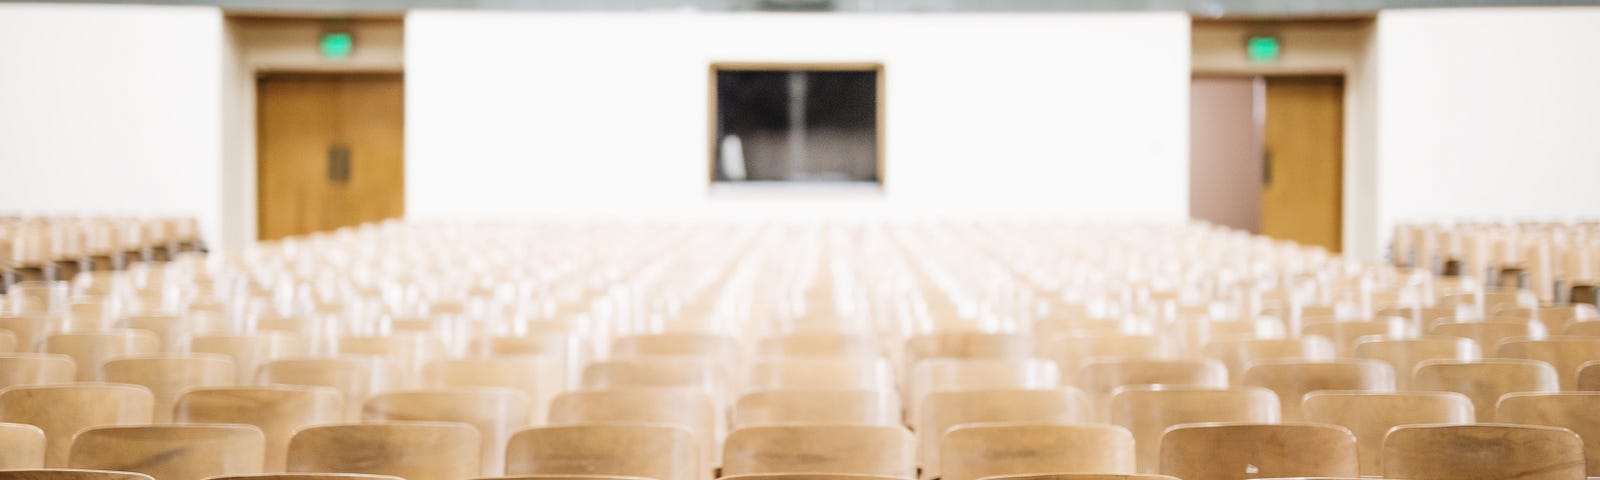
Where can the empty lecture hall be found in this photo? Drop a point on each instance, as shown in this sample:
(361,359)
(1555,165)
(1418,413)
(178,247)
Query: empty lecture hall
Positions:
(799,239)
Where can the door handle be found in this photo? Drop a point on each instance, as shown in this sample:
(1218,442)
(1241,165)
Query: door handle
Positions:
(339,163)
(1266,167)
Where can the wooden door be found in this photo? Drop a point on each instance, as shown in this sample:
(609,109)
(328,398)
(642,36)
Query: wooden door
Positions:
(329,151)
(1303,173)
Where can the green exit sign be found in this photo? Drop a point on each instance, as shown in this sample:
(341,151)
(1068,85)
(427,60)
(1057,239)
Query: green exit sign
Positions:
(336,45)
(1263,49)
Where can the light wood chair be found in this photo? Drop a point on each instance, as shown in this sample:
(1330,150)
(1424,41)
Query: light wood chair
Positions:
(807,476)
(277,410)
(1404,355)
(36,369)
(404,353)
(1292,379)
(1566,354)
(168,375)
(1555,318)
(1575,411)
(494,412)
(691,409)
(409,450)
(839,407)
(306,476)
(856,449)
(1238,353)
(1589,376)
(944,374)
(1345,334)
(23,446)
(718,348)
(356,378)
(1370,415)
(967,344)
(1589,328)
(249,352)
(90,349)
(1498,451)
(656,372)
(539,378)
(69,474)
(170,452)
(1080,476)
(943,410)
(1229,451)
(29,330)
(1099,377)
(1148,411)
(820,345)
(1484,381)
(1070,353)
(1487,333)
(976,450)
(64,410)
(8,341)
(174,331)
(862,373)
(655,451)
(574,476)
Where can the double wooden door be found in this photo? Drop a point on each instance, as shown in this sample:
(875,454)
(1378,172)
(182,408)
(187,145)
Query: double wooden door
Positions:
(329,151)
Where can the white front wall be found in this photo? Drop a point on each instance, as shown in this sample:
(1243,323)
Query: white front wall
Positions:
(531,115)
(111,110)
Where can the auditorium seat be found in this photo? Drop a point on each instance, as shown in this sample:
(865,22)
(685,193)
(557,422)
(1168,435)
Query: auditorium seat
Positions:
(1070,353)
(944,410)
(404,354)
(1404,355)
(657,372)
(36,369)
(1575,411)
(975,450)
(494,412)
(1566,354)
(170,452)
(814,406)
(409,450)
(1589,376)
(169,375)
(864,373)
(806,476)
(811,345)
(1487,334)
(1099,377)
(24,446)
(1229,451)
(29,330)
(1590,328)
(854,449)
(64,410)
(1292,379)
(356,378)
(607,449)
(306,476)
(717,348)
(966,344)
(277,410)
(69,474)
(1344,334)
(1440,452)
(945,374)
(539,378)
(1148,411)
(1370,416)
(1484,381)
(691,409)
(249,352)
(1554,318)
(1238,353)
(91,349)
(1081,476)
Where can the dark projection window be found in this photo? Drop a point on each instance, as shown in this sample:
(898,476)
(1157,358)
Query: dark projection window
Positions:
(796,124)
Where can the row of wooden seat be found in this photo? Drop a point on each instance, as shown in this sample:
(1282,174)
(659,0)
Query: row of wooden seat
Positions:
(1556,261)
(59,248)
(719,332)
(1201,451)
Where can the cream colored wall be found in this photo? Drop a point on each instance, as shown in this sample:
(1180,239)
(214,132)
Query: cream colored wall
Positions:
(1316,48)
(256,45)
